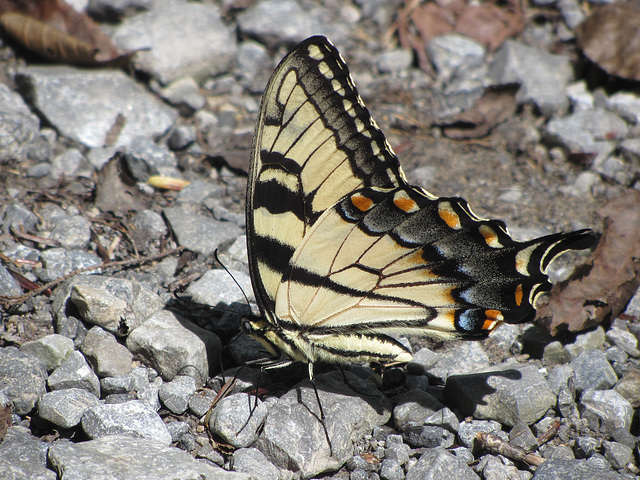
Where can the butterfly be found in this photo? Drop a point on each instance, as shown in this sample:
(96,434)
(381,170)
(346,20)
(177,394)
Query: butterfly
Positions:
(344,253)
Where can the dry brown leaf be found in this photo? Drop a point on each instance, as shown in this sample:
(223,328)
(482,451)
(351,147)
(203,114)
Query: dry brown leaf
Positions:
(610,38)
(115,190)
(420,22)
(613,273)
(5,421)
(489,24)
(55,31)
(494,107)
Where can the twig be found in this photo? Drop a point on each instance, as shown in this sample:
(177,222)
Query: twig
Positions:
(495,444)
(6,301)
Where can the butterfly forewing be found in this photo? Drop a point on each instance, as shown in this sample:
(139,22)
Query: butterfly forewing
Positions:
(315,142)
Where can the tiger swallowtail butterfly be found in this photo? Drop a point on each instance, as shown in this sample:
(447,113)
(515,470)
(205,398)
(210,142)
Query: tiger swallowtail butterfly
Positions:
(344,253)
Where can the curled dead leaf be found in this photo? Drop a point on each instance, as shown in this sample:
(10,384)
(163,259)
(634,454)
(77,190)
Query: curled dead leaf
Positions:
(612,277)
(610,38)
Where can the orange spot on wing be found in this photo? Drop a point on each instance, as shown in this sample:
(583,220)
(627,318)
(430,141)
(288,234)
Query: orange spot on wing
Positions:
(361,202)
(493,315)
(447,214)
(405,204)
(519,295)
(489,235)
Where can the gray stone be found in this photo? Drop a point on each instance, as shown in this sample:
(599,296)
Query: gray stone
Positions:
(566,403)
(444,418)
(50,350)
(630,149)
(391,470)
(396,60)
(452,52)
(253,63)
(555,352)
(8,285)
(587,131)
(148,227)
(468,431)
(200,402)
(624,340)
(263,21)
(497,468)
(625,104)
(109,302)
(629,387)
(422,361)
(134,419)
(593,371)
(91,101)
(24,457)
(201,45)
(439,463)
(18,126)
(175,394)
(198,233)
(293,436)
(75,372)
(508,393)
(617,454)
(586,446)
(543,76)
(17,215)
(58,262)
(184,94)
(22,379)
(68,164)
(72,231)
(217,287)
(571,13)
(108,357)
(253,462)
(126,458)
(64,408)
(558,377)
(591,340)
(464,454)
(144,158)
(117,385)
(573,470)
(198,190)
(598,461)
(413,407)
(177,430)
(607,407)
(558,452)
(464,358)
(398,452)
(428,436)
(181,137)
(522,436)
(581,98)
(236,420)
(174,346)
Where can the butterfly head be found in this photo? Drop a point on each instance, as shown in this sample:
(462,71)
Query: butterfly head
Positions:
(262,331)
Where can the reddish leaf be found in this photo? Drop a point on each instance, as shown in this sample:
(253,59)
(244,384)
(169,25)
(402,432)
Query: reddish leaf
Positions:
(494,107)
(610,38)
(55,31)
(613,273)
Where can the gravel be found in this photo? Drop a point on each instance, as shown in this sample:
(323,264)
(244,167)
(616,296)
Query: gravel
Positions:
(112,372)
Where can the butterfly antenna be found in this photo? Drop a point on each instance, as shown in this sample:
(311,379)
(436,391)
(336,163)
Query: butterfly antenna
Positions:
(322,416)
(215,255)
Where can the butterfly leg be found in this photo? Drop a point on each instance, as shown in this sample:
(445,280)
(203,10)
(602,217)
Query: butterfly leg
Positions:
(322,417)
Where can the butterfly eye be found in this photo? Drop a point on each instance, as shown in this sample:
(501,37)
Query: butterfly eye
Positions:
(245,326)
